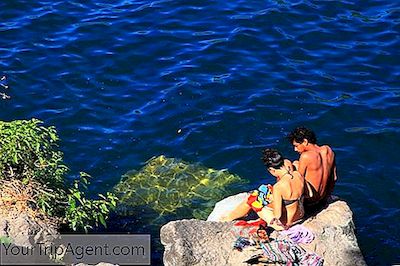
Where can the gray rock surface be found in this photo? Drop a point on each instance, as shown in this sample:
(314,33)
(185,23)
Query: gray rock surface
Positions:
(25,231)
(335,238)
(195,242)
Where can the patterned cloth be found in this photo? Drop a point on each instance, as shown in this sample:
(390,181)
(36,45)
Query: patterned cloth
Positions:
(289,253)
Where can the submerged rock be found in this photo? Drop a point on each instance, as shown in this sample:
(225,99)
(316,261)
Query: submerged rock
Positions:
(196,242)
(167,185)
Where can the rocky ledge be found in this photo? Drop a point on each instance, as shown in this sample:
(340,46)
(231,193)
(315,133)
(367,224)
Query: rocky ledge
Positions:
(25,230)
(196,242)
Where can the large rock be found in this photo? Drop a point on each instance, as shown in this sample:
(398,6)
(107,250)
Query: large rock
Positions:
(195,242)
(335,239)
(24,230)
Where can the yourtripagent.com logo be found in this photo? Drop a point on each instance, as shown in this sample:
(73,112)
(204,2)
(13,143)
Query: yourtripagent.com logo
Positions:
(73,249)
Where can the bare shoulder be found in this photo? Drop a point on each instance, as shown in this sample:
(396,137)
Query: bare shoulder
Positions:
(327,149)
(288,164)
(308,155)
(280,185)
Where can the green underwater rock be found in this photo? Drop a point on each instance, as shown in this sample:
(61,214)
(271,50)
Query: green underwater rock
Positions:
(168,184)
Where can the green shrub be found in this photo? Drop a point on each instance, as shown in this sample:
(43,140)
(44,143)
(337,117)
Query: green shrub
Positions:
(82,212)
(29,153)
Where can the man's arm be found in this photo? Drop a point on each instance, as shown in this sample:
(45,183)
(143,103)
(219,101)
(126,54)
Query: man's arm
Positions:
(302,169)
(308,191)
(334,170)
(303,163)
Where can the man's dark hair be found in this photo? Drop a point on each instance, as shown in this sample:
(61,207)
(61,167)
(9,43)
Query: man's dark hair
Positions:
(272,158)
(301,133)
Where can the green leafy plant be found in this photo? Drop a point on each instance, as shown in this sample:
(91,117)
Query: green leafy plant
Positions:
(29,153)
(29,156)
(84,213)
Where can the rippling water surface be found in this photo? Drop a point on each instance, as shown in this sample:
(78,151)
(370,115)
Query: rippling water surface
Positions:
(214,82)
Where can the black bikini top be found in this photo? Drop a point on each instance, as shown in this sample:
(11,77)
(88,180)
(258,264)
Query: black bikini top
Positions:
(288,202)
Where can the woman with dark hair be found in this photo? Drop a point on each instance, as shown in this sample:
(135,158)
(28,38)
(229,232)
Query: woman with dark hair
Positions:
(286,207)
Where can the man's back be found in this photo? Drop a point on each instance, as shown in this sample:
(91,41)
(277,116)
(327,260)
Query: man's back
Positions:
(329,175)
(317,165)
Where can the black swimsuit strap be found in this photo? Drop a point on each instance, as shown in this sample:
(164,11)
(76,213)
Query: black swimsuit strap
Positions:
(288,202)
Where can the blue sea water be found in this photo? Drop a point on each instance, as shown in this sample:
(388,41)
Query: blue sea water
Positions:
(215,82)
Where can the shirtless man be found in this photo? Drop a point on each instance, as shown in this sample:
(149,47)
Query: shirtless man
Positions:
(316,164)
